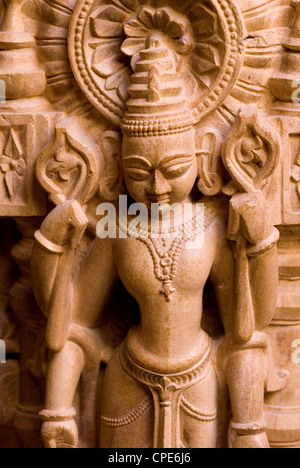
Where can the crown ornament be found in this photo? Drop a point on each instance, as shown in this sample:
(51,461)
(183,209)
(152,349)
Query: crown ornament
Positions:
(157,103)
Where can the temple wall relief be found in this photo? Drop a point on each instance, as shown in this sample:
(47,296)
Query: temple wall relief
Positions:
(149,224)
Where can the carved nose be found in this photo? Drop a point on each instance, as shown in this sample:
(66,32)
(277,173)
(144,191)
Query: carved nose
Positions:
(159,185)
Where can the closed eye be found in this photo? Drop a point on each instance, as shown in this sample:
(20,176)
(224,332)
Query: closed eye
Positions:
(177,170)
(137,173)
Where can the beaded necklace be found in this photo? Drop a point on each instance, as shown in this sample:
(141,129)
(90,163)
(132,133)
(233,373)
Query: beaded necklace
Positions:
(166,263)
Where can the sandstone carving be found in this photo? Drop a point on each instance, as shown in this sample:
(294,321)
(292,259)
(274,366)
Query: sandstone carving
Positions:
(150,213)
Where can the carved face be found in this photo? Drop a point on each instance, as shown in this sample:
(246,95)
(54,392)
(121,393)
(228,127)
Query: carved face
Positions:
(160,169)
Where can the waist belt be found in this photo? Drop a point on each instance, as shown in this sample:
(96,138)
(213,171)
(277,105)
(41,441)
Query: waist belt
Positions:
(166,390)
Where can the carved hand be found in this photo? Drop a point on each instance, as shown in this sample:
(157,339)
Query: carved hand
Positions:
(256,219)
(60,434)
(65,224)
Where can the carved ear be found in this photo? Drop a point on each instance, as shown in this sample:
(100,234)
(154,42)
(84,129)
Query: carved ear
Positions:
(208,146)
(112,181)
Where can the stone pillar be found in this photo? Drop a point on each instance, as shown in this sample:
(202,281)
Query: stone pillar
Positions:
(282,408)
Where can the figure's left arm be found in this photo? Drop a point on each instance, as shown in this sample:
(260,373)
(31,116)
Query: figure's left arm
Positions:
(257,239)
(245,282)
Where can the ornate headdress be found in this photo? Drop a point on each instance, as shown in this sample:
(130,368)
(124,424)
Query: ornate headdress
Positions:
(157,103)
(206,39)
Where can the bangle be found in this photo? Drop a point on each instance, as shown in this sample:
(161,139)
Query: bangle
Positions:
(48,245)
(248,428)
(265,245)
(58,416)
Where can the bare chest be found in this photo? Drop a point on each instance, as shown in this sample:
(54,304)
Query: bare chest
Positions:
(145,266)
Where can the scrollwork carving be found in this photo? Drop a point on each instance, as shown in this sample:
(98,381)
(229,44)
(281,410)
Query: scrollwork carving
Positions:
(251,151)
(68,168)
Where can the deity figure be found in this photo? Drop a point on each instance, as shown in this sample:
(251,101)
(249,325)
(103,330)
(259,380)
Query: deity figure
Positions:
(160,387)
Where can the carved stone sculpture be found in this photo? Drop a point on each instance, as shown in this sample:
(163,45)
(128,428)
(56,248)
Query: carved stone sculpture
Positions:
(152,301)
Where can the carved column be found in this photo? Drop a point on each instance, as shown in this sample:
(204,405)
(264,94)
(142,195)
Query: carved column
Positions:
(282,409)
(285,81)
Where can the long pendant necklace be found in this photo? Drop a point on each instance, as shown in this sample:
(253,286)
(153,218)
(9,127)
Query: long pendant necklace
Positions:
(165,264)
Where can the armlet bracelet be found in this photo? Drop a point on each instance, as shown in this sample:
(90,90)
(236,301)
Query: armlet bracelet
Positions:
(57,416)
(265,245)
(48,245)
(248,428)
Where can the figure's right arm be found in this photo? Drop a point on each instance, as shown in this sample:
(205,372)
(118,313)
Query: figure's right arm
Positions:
(60,291)
(67,292)
(54,249)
